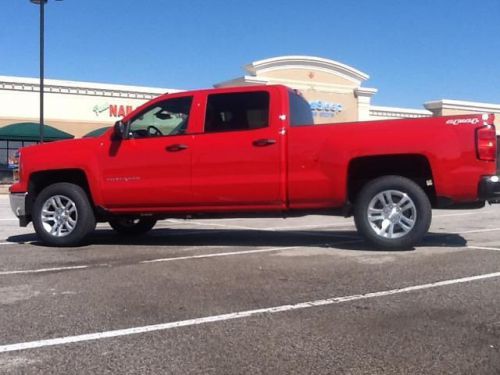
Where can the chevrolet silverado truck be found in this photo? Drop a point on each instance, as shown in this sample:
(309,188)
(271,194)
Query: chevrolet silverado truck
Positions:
(255,151)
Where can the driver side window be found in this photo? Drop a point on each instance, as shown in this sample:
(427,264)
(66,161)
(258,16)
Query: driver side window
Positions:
(169,117)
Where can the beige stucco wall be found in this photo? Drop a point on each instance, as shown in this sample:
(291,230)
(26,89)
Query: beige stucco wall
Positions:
(313,76)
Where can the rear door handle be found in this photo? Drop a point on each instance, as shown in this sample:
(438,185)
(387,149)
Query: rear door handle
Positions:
(264,142)
(176,147)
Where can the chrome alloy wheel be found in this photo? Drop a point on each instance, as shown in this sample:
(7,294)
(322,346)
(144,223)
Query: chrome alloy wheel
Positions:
(392,214)
(59,216)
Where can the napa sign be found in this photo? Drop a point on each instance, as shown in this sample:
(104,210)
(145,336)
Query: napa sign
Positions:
(112,110)
(320,108)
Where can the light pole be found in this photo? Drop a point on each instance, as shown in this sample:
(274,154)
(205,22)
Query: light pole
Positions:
(41,3)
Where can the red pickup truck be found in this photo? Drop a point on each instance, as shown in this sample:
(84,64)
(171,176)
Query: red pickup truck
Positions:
(254,150)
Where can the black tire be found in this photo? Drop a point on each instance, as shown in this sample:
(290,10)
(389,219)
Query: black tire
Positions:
(80,213)
(132,226)
(389,227)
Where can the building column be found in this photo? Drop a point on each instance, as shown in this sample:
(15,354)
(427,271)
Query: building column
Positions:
(364,96)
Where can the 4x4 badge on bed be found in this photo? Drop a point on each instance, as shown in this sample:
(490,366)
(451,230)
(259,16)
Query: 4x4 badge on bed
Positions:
(458,121)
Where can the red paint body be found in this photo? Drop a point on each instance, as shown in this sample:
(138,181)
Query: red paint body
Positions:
(306,168)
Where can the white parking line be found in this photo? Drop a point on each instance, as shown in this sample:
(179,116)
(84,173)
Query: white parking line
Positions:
(312,226)
(186,232)
(41,270)
(461,214)
(243,252)
(476,231)
(212,224)
(484,248)
(327,234)
(172,259)
(15,243)
(268,229)
(233,316)
(293,228)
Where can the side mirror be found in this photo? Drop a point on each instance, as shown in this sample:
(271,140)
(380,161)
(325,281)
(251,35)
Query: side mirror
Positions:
(120,130)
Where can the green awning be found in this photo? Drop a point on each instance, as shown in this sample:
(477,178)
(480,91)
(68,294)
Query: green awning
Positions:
(30,131)
(96,132)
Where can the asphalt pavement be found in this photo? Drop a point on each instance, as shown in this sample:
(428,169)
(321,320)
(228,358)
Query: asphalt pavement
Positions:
(253,296)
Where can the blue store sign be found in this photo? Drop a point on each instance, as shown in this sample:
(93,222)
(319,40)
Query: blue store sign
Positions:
(325,109)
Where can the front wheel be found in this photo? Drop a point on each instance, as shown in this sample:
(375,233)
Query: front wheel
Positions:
(63,215)
(392,213)
(132,226)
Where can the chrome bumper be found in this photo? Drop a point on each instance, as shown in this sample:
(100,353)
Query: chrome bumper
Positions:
(18,204)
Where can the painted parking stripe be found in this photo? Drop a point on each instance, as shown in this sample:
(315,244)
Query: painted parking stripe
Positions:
(462,214)
(172,259)
(42,270)
(236,315)
(484,248)
(476,231)
(16,243)
(269,229)
(231,253)
(229,226)
(201,256)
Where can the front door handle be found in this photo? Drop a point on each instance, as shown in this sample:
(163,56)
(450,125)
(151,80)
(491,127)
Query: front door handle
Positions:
(264,142)
(176,147)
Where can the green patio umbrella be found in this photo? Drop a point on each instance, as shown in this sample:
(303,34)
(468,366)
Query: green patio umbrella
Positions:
(96,132)
(30,131)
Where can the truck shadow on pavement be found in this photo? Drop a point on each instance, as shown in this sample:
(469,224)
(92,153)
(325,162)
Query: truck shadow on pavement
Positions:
(343,240)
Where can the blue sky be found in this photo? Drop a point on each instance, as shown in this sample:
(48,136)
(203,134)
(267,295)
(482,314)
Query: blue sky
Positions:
(413,50)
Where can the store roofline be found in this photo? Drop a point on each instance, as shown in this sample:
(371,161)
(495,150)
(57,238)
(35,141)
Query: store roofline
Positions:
(461,105)
(35,82)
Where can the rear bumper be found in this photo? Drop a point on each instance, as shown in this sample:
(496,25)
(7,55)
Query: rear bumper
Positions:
(489,189)
(18,206)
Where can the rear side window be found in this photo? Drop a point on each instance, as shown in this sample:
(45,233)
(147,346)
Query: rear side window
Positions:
(237,111)
(300,110)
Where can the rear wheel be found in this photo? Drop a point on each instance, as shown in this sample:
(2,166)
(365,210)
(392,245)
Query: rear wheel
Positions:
(63,215)
(392,212)
(132,226)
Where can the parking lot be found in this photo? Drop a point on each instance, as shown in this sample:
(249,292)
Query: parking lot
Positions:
(253,296)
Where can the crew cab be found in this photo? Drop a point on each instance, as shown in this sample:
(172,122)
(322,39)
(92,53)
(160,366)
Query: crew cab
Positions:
(255,150)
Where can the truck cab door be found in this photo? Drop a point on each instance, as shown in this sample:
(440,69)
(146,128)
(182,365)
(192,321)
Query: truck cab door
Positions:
(152,167)
(237,155)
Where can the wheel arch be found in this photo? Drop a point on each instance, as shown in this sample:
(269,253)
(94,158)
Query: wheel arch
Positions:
(415,167)
(40,180)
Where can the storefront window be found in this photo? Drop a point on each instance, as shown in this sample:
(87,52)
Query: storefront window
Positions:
(8,158)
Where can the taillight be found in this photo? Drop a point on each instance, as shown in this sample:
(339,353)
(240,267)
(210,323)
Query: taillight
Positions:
(486,143)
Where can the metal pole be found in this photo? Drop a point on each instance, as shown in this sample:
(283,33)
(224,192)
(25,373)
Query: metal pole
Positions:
(42,29)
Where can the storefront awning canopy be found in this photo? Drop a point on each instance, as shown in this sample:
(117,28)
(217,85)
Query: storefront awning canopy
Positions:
(30,131)
(96,132)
